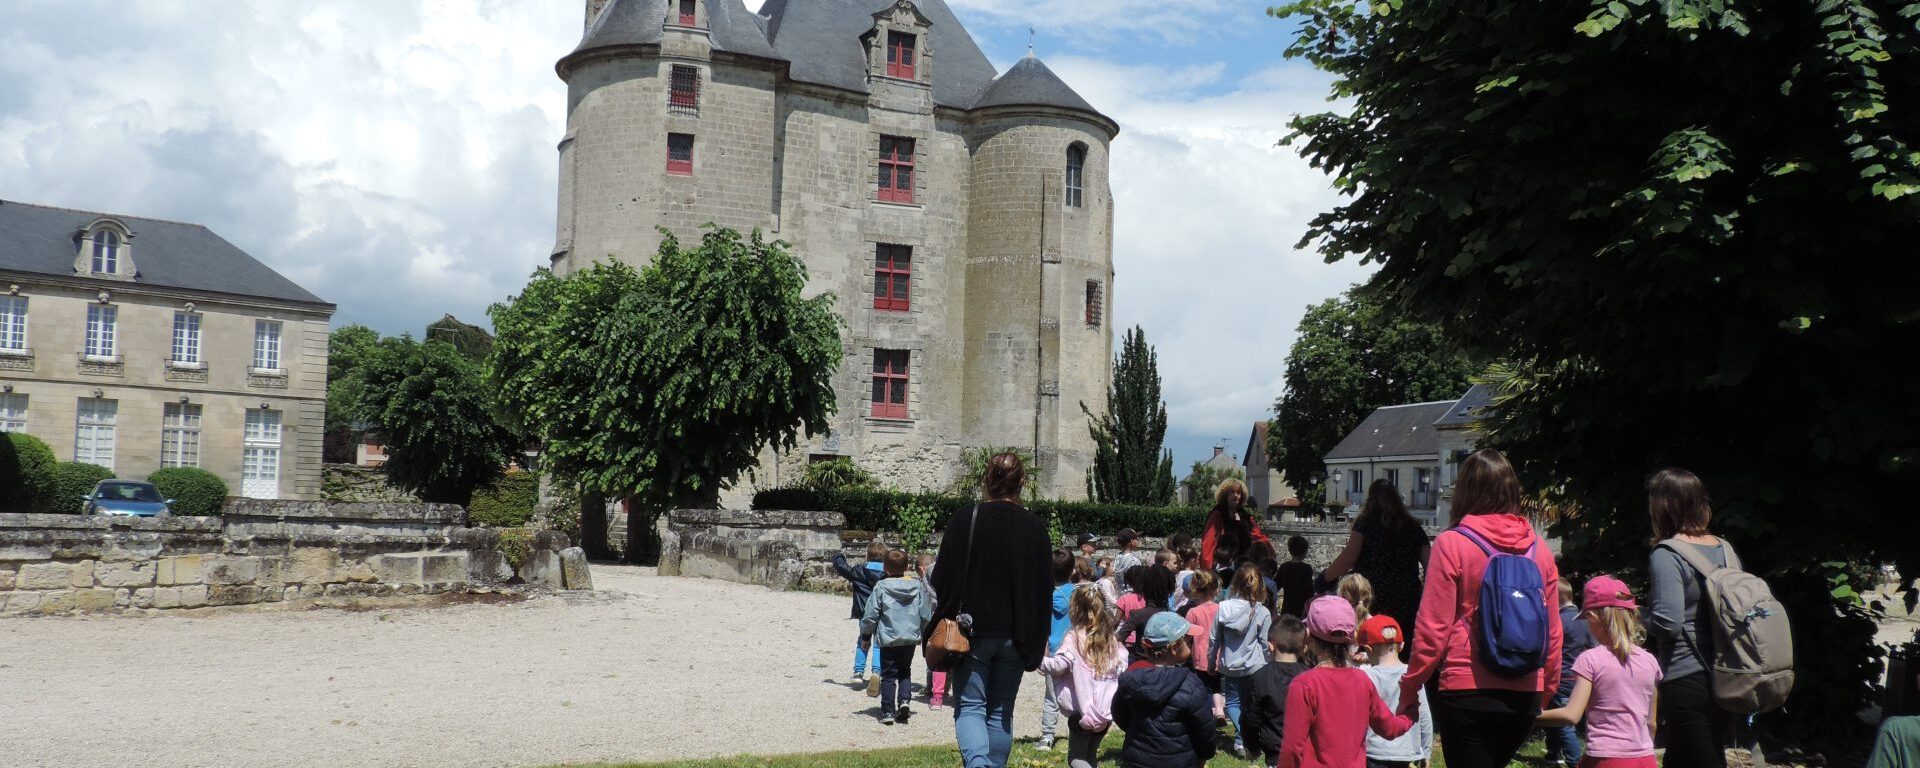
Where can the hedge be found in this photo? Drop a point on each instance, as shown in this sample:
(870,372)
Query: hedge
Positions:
(72,480)
(26,473)
(195,492)
(505,503)
(874,511)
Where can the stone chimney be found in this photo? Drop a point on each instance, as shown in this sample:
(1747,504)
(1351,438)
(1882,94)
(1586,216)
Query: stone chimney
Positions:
(594,7)
(1219,448)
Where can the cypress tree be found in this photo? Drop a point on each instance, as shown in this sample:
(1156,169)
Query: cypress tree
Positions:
(1130,466)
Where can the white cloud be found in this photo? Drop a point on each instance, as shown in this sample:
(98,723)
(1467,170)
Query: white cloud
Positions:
(1108,19)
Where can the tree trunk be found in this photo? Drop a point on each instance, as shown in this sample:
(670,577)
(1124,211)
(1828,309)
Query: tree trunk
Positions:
(593,526)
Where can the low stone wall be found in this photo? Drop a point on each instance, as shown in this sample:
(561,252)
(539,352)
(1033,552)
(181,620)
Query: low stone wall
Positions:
(259,552)
(774,548)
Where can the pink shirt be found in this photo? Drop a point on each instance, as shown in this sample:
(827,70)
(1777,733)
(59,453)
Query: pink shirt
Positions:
(1329,711)
(1622,699)
(1130,602)
(1200,618)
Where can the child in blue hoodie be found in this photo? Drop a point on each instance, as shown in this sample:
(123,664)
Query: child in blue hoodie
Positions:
(861,580)
(895,621)
(1063,587)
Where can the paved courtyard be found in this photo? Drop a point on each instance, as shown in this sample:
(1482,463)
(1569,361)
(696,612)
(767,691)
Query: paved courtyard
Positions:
(648,668)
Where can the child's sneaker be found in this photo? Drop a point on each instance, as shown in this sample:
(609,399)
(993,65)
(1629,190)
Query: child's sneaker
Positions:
(859,678)
(886,718)
(873,687)
(936,702)
(1045,744)
(903,714)
(1239,748)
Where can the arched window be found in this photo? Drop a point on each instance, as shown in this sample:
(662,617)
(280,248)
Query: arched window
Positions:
(1076,165)
(106,252)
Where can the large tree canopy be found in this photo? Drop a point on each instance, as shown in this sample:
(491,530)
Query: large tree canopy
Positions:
(1689,228)
(1130,466)
(434,409)
(347,348)
(663,384)
(1352,355)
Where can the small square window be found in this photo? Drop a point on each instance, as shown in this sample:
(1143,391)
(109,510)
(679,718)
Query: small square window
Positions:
(683,87)
(680,154)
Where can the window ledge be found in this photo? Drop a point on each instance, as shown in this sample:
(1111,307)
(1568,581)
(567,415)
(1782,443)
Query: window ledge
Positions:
(101,359)
(28,352)
(894,204)
(889,420)
(180,366)
(271,373)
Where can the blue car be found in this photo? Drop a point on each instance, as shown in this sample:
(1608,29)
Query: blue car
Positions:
(127,497)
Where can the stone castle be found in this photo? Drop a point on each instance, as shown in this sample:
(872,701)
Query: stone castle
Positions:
(961,216)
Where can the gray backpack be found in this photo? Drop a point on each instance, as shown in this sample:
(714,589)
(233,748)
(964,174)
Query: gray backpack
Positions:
(1753,643)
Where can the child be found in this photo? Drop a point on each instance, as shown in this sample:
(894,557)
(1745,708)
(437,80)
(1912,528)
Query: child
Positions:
(1153,586)
(895,620)
(1129,541)
(1331,707)
(1130,601)
(936,680)
(1160,704)
(1296,579)
(1170,560)
(1382,638)
(1265,708)
(1563,742)
(1200,611)
(1355,589)
(862,580)
(1107,583)
(1086,670)
(1239,644)
(1089,549)
(1189,560)
(1615,682)
(1062,595)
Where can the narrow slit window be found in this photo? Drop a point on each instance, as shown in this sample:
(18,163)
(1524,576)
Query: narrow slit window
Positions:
(1076,170)
(896,169)
(893,277)
(680,154)
(890,383)
(900,57)
(1095,304)
(684,86)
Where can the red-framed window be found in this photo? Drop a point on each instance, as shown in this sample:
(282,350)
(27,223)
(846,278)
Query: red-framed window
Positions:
(890,383)
(900,55)
(896,169)
(680,153)
(686,13)
(1095,304)
(683,86)
(892,277)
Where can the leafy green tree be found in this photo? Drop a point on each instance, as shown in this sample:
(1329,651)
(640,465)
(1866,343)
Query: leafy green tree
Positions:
(1352,355)
(663,384)
(435,410)
(1687,229)
(347,348)
(973,471)
(1130,464)
(1204,479)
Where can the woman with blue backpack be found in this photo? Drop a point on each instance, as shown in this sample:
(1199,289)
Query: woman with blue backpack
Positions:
(1488,621)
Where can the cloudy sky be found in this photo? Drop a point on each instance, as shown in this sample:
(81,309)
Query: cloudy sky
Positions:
(396,157)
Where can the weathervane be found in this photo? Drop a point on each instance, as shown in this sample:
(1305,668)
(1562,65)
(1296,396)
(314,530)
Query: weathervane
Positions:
(1030,34)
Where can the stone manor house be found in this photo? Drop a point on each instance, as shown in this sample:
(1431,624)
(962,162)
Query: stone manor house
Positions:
(961,216)
(137,344)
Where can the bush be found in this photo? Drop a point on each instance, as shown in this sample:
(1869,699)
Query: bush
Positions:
(195,492)
(880,511)
(26,473)
(835,474)
(72,480)
(507,502)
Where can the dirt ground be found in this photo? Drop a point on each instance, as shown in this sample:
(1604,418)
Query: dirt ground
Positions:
(647,668)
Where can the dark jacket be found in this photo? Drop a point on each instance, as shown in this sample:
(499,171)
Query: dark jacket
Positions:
(1263,707)
(861,578)
(1579,639)
(1008,586)
(1168,716)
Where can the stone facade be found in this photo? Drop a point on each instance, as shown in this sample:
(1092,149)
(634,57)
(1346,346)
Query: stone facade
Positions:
(46,386)
(1002,346)
(260,552)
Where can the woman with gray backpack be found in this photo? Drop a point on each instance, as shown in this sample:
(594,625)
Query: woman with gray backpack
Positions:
(1723,642)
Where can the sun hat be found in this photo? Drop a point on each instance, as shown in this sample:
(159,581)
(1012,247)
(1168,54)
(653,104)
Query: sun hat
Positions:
(1330,618)
(1607,592)
(1164,629)
(1380,630)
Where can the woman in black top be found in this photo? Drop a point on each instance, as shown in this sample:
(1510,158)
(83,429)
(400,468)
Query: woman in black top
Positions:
(994,561)
(1388,547)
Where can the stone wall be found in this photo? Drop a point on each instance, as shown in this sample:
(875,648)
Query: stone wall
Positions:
(259,552)
(773,548)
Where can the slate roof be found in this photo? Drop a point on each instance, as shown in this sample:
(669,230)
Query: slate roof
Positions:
(1257,443)
(40,239)
(820,40)
(1395,430)
(1468,408)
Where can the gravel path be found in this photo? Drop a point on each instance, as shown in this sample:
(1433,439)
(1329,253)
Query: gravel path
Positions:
(648,668)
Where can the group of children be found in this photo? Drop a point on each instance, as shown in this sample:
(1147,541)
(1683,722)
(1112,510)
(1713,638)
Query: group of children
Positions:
(1170,652)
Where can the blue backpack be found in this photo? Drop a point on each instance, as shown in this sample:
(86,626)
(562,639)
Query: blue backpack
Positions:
(1512,631)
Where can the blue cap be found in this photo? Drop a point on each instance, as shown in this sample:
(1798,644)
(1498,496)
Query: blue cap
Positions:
(1164,629)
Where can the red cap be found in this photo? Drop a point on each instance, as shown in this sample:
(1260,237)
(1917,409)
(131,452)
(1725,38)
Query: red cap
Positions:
(1607,592)
(1380,630)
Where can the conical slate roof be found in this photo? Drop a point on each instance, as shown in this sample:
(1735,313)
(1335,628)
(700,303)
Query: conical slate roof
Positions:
(730,26)
(1031,83)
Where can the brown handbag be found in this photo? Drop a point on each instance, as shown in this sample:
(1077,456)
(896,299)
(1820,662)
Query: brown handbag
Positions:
(947,643)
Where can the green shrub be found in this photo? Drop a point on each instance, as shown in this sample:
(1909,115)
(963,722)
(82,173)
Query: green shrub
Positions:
(882,511)
(836,474)
(516,544)
(507,502)
(72,480)
(195,492)
(26,473)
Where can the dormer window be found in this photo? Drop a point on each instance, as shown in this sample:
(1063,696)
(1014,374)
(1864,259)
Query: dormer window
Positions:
(686,13)
(900,55)
(106,252)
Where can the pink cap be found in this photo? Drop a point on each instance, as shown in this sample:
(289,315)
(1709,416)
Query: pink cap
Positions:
(1331,618)
(1607,592)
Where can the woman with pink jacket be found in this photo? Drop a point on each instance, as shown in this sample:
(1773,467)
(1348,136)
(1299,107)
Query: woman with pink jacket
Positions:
(1484,715)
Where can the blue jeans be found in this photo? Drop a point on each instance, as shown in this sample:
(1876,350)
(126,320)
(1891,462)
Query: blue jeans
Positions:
(1563,743)
(983,718)
(1235,688)
(861,657)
